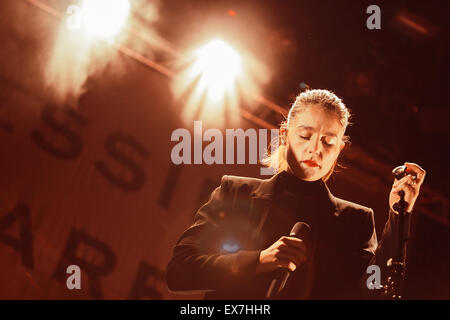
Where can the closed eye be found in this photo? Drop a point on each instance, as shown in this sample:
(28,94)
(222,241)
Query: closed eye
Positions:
(329,141)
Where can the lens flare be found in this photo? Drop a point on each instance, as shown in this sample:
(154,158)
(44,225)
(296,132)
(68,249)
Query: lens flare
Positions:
(212,81)
(218,65)
(104,18)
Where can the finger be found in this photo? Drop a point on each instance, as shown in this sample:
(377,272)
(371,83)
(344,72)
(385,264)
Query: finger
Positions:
(293,241)
(293,250)
(398,182)
(287,264)
(406,181)
(413,167)
(291,266)
(406,187)
(410,180)
(295,258)
(286,261)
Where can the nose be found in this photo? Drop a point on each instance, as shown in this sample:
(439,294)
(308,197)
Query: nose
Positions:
(314,147)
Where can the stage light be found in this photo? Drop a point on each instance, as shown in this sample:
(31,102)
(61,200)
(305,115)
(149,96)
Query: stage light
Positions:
(214,79)
(104,18)
(77,52)
(218,66)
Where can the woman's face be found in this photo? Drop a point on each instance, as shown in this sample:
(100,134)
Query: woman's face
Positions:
(313,143)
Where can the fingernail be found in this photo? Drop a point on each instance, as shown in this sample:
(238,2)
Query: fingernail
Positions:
(292,266)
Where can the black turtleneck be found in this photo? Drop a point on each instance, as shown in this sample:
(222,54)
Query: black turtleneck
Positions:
(289,183)
(296,200)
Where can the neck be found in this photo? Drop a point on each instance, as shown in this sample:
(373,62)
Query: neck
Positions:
(295,185)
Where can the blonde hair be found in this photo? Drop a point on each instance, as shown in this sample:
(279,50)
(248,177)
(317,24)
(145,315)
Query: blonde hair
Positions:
(317,97)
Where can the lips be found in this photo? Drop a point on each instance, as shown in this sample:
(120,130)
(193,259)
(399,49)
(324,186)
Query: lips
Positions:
(310,163)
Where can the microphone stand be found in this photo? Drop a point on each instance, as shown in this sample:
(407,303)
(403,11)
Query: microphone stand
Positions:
(396,265)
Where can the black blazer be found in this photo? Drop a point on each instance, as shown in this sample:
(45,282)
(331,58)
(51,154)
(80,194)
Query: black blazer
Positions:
(218,253)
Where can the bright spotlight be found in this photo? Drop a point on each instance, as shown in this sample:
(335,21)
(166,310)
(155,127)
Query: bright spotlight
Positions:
(214,80)
(104,18)
(219,66)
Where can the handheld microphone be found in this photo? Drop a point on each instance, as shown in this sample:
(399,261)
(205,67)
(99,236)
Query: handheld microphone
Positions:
(301,231)
(400,171)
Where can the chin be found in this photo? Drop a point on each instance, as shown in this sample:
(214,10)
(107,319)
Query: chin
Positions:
(309,176)
(312,179)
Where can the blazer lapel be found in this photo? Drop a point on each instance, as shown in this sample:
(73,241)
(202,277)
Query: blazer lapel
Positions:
(261,203)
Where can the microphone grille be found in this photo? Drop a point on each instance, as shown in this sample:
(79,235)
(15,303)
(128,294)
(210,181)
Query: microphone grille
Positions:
(302,231)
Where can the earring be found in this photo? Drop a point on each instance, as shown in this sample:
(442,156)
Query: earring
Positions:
(283,128)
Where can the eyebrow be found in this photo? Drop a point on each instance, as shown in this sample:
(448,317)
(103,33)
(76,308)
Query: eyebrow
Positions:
(312,128)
